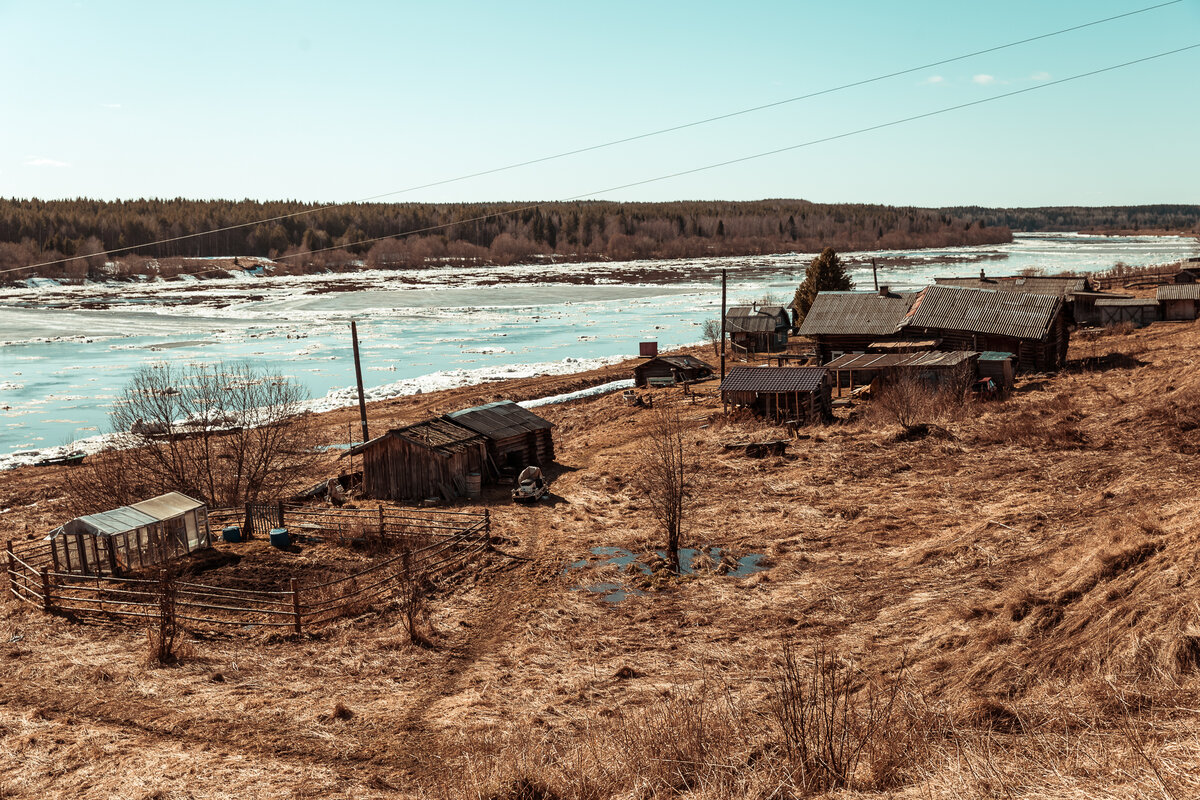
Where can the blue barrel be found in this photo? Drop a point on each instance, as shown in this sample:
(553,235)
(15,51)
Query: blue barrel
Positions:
(231,533)
(279,538)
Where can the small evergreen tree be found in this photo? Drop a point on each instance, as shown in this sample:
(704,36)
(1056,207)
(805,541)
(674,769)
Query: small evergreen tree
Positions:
(825,274)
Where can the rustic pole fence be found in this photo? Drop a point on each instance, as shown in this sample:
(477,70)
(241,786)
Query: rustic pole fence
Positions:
(297,619)
(47,599)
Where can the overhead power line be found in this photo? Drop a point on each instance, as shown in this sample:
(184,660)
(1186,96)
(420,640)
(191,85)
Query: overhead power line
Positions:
(776,151)
(625,140)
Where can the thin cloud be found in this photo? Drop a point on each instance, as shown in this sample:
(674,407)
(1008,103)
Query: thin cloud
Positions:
(934,80)
(39,161)
(984,80)
(1040,76)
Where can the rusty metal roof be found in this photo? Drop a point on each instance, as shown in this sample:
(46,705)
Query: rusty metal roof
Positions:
(934,360)
(1061,285)
(856,313)
(772,380)
(988,311)
(500,420)
(1179,291)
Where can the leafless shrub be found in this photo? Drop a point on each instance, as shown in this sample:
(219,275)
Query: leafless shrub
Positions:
(164,627)
(411,596)
(667,476)
(226,434)
(711,331)
(828,717)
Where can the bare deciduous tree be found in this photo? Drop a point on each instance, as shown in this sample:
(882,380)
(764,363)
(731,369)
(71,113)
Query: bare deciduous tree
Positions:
(711,331)
(667,476)
(226,434)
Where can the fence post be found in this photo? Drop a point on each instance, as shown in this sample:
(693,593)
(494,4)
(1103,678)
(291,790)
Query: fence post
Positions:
(12,568)
(382,529)
(487,520)
(280,507)
(47,600)
(295,604)
(248,528)
(54,554)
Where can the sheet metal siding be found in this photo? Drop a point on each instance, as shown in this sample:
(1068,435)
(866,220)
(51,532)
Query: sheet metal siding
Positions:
(1012,314)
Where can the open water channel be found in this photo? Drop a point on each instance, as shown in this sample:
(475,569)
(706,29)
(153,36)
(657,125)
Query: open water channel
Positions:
(66,352)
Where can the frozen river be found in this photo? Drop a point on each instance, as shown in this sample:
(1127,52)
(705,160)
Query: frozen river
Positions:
(66,352)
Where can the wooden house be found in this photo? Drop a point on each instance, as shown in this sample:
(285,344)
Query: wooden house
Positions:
(670,370)
(758,329)
(850,322)
(1137,311)
(516,437)
(131,538)
(429,459)
(800,394)
(1078,294)
(1179,301)
(934,368)
(1033,327)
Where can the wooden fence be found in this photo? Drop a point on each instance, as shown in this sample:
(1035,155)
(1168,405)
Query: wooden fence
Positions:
(431,544)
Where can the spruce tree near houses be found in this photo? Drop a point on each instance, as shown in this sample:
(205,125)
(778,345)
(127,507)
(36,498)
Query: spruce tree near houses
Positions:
(825,274)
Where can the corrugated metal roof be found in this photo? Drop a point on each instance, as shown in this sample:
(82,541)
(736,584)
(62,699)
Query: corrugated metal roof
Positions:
(856,313)
(995,355)
(989,311)
(1179,291)
(740,311)
(1126,301)
(500,420)
(440,435)
(906,344)
(896,360)
(773,379)
(1062,286)
(683,362)
(757,324)
(168,505)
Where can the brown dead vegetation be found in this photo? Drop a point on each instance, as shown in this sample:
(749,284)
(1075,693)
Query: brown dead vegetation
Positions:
(1023,595)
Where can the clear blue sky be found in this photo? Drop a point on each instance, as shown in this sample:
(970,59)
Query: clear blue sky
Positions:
(342,101)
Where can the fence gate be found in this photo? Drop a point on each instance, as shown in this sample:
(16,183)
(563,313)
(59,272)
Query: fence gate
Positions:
(262,517)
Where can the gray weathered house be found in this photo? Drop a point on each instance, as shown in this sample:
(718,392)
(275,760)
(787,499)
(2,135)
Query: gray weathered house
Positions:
(1179,301)
(850,322)
(670,370)
(758,329)
(516,437)
(429,459)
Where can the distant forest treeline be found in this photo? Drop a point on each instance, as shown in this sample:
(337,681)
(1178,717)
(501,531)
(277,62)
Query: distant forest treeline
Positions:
(309,237)
(1185,219)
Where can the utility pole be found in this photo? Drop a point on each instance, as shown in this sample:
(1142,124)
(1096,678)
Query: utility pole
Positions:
(362,403)
(724,275)
(875,275)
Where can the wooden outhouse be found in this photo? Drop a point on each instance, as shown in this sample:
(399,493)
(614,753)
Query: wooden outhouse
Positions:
(515,437)
(783,394)
(429,459)
(670,370)
(1179,301)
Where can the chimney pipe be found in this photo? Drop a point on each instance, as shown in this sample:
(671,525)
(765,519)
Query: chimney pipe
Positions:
(982,277)
(884,290)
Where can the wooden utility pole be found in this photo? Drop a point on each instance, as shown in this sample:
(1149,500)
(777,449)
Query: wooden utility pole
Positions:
(724,275)
(875,275)
(362,403)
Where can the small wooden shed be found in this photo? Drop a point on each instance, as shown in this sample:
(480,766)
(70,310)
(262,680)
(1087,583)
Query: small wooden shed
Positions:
(135,537)
(1179,301)
(1139,311)
(802,394)
(515,437)
(934,368)
(670,370)
(429,459)
(758,329)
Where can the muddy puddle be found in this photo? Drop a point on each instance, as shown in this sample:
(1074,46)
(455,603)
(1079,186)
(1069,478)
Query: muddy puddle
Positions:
(692,561)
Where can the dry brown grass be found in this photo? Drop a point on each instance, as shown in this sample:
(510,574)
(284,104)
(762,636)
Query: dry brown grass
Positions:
(1037,574)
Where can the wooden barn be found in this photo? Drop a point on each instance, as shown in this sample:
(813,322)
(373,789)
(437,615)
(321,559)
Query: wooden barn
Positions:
(756,329)
(850,322)
(670,370)
(429,459)
(516,437)
(935,368)
(1033,327)
(1179,301)
(131,538)
(1137,311)
(800,394)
